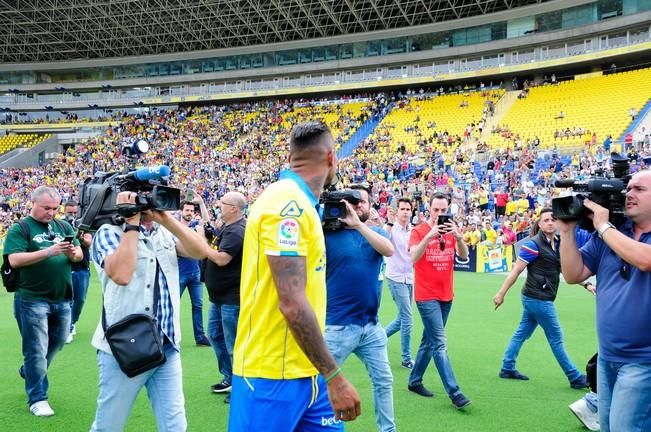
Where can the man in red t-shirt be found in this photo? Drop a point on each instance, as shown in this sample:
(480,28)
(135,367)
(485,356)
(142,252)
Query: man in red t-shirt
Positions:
(432,248)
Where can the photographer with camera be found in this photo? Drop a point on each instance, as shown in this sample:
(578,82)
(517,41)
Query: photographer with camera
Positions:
(80,270)
(432,247)
(620,257)
(354,257)
(137,266)
(539,255)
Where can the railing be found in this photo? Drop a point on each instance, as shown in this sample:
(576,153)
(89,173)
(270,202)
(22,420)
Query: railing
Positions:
(410,74)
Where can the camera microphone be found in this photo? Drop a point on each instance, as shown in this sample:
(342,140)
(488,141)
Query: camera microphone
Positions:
(149,173)
(568,183)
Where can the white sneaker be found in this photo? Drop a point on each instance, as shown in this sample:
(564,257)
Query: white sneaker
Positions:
(585,415)
(74,330)
(69,338)
(41,409)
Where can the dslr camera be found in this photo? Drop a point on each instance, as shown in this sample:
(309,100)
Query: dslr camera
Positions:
(97,197)
(333,208)
(609,192)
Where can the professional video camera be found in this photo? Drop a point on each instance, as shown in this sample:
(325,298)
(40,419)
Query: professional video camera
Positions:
(608,192)
(333,208)
(97,198)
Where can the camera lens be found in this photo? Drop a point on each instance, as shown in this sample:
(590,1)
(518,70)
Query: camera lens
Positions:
(334,212)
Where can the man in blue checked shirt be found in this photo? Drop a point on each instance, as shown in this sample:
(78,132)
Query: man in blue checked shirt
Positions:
(133,259)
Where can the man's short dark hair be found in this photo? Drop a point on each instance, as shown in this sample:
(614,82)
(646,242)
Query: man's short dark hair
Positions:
(440,195)
(404,200)
(360,186)
(187,203)
(306,135)
(70,203)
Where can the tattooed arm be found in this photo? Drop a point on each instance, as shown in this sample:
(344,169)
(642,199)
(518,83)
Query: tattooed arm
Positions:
(290,278)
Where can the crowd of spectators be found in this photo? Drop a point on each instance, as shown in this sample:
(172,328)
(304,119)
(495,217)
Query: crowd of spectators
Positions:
(215,149)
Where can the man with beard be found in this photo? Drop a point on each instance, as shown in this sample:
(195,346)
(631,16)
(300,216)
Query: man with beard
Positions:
(190,273)
(283,373)
(354,256)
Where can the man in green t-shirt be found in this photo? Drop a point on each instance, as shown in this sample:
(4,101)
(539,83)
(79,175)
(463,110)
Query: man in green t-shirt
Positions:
(42,300)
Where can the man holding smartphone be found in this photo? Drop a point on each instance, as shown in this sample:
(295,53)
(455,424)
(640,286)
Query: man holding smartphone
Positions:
(432,247)
(42,300)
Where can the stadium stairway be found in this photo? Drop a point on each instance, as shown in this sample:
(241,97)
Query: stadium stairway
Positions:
(360,135)
(501,108)
(638,122)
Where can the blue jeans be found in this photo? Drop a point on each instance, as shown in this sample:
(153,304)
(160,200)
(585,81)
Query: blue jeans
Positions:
(44,328)
(222,328)
(543,313)
(80,280)
(369,343)
(194,285)
(118,392)
(624,396)
(403,295)
(434,345)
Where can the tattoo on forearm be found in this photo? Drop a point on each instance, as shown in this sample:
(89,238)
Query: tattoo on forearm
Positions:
(289,275)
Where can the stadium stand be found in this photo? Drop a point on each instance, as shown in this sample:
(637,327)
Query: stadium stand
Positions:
(567,115)
(11,142)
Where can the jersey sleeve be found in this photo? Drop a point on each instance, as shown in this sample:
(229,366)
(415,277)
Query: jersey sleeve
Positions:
(528,252)
(286,233)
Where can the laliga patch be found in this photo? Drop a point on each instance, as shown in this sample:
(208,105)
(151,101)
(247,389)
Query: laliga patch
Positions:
(291,210)
(288,233)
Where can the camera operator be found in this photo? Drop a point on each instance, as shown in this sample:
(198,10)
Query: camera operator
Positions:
(354,257)
(621,259)
(132,260)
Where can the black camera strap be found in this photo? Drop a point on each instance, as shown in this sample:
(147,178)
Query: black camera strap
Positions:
(156,297)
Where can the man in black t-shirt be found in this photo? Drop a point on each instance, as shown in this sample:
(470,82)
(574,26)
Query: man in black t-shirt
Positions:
(223,269)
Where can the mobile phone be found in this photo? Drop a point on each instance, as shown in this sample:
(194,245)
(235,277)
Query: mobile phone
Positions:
(68,238)
(443,219)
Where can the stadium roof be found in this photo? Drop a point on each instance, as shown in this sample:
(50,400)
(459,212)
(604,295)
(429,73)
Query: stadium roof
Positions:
(60,30)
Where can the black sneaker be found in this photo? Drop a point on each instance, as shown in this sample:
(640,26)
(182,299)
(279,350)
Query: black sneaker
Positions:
(407,364)
(579,383)
(513,374)
(221,387)
(420,389)
(203,342)
(460,401)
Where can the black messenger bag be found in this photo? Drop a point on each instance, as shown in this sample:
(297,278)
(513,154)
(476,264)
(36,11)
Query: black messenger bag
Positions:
(134,340)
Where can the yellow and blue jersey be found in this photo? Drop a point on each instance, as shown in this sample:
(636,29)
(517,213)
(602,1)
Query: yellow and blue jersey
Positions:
(283,221)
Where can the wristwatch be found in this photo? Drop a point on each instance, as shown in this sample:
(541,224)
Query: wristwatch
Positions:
(603,228)
(129,227)
(390,224)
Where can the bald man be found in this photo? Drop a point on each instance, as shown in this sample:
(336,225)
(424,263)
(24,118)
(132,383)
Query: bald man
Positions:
(222,278)
(621,259)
